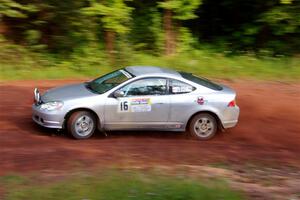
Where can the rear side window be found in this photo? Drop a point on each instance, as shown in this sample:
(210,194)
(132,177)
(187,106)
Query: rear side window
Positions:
(179,87)
(201,81)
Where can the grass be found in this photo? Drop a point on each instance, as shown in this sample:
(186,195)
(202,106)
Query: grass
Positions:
(18,63)
(12,179)
(122,185)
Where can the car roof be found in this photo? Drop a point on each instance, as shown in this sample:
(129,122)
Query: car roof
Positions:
(151,70)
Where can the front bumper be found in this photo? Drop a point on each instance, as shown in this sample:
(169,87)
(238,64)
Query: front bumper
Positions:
(49,119)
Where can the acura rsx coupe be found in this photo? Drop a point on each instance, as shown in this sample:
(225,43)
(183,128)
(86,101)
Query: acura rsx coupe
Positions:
(139,98)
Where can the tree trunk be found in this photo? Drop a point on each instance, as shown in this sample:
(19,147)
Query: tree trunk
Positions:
(109,44)
(170,44)
(3,28)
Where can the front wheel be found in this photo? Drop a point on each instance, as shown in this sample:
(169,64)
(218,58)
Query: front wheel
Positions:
(203,126)
(81,125)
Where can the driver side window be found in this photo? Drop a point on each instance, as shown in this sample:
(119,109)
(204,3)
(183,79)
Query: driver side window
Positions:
(148,86)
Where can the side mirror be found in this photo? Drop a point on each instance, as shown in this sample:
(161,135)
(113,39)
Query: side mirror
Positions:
(119,93)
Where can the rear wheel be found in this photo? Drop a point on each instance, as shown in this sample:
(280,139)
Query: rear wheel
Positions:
(81,124)
(203,126)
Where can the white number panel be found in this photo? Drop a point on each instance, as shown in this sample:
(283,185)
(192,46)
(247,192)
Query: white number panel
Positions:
(123,106)
(135,105)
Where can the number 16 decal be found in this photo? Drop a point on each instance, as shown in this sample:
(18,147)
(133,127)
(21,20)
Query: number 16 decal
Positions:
(124,107)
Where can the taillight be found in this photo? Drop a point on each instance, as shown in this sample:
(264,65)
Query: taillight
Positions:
(232,103)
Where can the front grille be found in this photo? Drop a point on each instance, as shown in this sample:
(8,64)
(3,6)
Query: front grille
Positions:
(39,119)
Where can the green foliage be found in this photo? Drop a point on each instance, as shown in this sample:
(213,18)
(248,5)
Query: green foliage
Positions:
(14,9)
(32,38)
(282,19)
(156,31)
(63,28)
(282,24)
(126,185)
(17,62)
(250,26)
(146,32)
(54,25)
(12,180)
(286,1)
(15,57)
(114,14)
(185,40)
(183,9)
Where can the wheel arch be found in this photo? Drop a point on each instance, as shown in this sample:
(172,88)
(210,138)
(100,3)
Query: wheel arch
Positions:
(69,113)
(220,125)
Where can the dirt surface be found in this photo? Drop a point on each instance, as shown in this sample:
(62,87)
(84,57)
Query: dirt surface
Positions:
(268,134)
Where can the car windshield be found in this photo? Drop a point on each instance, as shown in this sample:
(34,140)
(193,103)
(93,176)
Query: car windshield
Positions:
(104,83)
(201,81)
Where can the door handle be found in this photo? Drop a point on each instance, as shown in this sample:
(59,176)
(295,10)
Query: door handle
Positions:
(159,103)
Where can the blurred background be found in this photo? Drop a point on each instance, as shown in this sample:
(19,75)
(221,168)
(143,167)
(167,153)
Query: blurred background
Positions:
(83,38)
(252,46)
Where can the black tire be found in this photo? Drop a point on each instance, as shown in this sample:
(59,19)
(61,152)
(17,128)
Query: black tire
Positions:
(84,121)
(200,130)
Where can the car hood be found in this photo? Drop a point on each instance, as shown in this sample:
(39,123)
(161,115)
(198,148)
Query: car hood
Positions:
(67,92)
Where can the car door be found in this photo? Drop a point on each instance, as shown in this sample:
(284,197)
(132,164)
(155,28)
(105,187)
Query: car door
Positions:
(145,105)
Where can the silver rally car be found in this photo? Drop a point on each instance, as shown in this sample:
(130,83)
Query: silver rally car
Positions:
(139,98)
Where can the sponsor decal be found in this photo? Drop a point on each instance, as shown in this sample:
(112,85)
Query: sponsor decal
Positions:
(200,100)
(135,105)
(140,105)
(140,101)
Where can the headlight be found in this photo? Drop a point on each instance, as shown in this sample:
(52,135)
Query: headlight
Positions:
(53,105)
